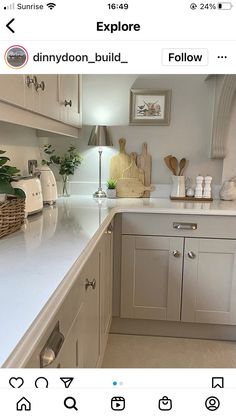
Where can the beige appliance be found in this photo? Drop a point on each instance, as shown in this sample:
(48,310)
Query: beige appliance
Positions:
(48,183)
(32,188)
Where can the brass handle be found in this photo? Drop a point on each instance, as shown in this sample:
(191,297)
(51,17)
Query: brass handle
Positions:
(176,253)
(191,255)
(40,86)
(91,284)
(52,347)
(68,103)
(185,226)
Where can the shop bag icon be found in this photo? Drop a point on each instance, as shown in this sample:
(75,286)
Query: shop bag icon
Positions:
(165,403)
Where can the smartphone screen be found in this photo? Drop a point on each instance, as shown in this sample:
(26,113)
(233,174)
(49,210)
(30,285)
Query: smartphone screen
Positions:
(117,209)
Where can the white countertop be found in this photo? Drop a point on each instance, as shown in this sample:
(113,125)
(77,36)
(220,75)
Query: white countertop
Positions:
(34,262)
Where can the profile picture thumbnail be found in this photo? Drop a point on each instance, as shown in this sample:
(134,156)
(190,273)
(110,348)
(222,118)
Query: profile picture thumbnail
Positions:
(16,56)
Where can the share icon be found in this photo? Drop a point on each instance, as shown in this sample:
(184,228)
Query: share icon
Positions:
(67,381)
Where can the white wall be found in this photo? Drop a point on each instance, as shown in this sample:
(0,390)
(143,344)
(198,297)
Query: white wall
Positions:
(106,101)
(21,145)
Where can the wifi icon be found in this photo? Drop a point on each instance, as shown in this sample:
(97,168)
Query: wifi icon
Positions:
(51,5)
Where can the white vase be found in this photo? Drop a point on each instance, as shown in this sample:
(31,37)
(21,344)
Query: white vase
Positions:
(111,193)
(178,186)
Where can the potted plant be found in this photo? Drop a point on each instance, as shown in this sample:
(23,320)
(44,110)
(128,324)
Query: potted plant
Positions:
(67,163)
(111,188)
(6,176)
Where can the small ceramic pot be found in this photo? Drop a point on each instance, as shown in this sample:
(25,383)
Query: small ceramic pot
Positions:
(178,186)
(111,193)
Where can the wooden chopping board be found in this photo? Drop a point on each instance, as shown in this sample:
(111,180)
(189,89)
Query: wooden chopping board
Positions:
(144,162)
(130,188)
(119,162)
(133,171)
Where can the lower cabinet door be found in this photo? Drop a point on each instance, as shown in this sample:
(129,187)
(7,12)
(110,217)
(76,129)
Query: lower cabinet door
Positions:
(72,352)
(151,278)
(209,281)
(90,314)
(105,287)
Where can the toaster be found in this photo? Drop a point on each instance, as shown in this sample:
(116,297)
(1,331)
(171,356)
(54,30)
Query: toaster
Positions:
(31,186)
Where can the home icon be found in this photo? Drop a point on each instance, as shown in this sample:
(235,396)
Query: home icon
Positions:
(23,404)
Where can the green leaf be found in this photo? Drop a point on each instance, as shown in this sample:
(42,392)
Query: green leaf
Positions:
(2,152)
(19,193)
(6,188)
(3,160)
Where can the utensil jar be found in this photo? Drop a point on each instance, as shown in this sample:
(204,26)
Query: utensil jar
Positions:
(178,186)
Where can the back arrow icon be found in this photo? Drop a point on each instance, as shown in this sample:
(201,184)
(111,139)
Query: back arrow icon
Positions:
(9,27)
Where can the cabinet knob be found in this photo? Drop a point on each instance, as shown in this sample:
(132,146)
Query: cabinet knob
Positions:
(40,86)
(91,284)
(68,103)
(109,229)
(191,255)
(176,253)
(31,80)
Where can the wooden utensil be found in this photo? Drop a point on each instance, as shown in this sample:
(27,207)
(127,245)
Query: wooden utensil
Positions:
(174,164)
(144,162)
(119,162)
(131,188)
(182,165)
(167,162)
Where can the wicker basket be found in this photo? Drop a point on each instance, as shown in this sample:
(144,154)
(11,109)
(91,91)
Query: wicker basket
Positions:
(12,215)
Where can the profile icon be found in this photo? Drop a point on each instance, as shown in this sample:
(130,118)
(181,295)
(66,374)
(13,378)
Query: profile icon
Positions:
(16,56)
(212,403)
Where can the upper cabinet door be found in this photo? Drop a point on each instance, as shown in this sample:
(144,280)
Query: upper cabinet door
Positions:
(42,96)
(70,99)
(151,277)
(12,89)
(209,285)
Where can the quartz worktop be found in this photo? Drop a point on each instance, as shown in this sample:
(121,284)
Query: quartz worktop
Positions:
(35,263)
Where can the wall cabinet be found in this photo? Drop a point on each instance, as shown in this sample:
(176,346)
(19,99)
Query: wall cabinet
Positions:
(53,96)
(70,99)
(12,89)
(186,279)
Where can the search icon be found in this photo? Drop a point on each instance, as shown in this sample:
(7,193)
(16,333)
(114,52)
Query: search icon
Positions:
(70,403)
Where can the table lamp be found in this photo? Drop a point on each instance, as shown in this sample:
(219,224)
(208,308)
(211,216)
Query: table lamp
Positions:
(99,137)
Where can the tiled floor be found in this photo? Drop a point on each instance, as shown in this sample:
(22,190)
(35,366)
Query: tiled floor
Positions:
(128,351)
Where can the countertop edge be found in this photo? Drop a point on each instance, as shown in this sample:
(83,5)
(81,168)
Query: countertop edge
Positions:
(24,349)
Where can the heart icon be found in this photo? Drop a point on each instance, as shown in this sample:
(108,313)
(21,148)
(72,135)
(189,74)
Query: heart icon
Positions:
(16,382)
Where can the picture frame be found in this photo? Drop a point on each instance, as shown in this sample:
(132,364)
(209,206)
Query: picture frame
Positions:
(150,106)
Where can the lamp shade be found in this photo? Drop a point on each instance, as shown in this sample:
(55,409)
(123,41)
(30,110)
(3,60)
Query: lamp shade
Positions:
(100,137)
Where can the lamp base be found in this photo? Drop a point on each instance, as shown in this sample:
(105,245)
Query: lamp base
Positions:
(99,194)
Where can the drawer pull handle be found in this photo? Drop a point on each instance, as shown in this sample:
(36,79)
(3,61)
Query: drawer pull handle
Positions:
(52,348)
(185,226)
(176,253)
(40,86)
(109,229)
(191,255)
(91,284)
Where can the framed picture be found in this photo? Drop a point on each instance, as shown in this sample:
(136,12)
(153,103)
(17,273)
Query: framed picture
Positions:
(150,107)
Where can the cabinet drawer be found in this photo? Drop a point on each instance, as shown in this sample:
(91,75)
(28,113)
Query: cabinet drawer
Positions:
(212,226)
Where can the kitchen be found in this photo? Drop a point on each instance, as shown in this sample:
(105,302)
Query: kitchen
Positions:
(58,273)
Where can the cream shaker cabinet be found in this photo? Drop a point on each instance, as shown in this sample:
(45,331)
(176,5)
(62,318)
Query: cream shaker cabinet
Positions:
(185,277)
(209,281)
(69,96)
(77,335)
(12,89)
(106,267)
(49,95)
(151,277)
